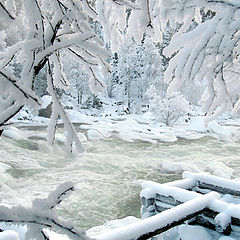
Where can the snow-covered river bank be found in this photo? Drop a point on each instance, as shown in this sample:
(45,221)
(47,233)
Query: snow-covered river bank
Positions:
(104,176)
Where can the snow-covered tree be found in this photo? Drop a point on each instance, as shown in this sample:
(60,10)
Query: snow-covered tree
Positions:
(204,52)
(51,27)
(134,69)
(78,91)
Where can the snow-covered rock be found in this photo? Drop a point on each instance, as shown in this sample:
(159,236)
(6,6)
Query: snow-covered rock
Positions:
(13,133)
(178,167)
(46,100)
(213,128)
(197,124)
(94,135)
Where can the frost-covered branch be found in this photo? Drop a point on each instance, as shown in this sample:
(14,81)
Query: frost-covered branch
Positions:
(6,11)
(42,215)
(27,94)
(58,110)
(53,29)
(205,52)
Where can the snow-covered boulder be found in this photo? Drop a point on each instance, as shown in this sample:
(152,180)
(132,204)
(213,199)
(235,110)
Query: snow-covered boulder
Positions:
(198,124)
(14,133)
(46,109)
(94,135)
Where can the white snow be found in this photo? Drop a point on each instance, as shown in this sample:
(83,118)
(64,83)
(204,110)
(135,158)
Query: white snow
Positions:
(223,220)
(46,100)
(199,124)
(214,180)
(4,167)
(94,135)
(143,127)
(94,231)
(13,133)
(158,221)
(187,232)
(226,238)
(9,235)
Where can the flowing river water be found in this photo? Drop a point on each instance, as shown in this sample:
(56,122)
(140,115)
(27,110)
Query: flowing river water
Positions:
(104,176)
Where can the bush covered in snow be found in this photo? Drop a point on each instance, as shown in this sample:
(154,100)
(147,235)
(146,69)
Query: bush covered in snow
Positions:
(167,109)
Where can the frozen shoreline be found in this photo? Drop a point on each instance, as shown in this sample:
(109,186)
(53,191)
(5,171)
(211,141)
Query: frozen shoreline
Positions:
(142,127)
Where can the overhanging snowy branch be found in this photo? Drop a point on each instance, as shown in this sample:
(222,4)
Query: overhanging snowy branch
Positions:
(205,51)
(6,11)
(72,136)
(25,92)
(42,214)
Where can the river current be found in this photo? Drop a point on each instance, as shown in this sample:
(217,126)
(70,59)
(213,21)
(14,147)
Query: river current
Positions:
(104,176)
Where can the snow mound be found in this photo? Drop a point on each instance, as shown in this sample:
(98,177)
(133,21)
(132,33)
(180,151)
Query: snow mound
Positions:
(173,167)
(94,231)
(14,133)
(199,125)
(94,135)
